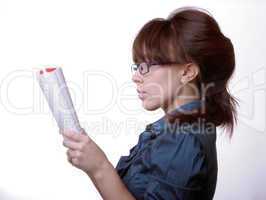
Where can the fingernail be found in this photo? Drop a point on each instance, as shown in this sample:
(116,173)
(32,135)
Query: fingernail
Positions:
(66,133)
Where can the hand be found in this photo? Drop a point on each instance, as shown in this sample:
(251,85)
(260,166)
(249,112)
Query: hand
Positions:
(83,153)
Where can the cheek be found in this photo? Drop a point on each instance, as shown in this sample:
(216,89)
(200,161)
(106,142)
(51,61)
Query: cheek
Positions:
(161,87)
(168,89)
(159,93)
(156,90)
(153,100)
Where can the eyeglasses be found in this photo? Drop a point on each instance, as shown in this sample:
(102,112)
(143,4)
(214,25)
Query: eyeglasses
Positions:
(143,68)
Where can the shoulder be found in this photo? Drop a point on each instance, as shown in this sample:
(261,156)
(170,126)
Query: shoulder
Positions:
(178,158)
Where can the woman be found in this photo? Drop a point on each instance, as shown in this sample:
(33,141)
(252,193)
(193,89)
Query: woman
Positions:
(183,65)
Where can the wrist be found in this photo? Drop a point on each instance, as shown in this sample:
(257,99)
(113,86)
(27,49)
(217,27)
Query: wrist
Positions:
(105,168)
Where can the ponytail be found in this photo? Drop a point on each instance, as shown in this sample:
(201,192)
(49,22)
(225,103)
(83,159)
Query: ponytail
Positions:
(221,110)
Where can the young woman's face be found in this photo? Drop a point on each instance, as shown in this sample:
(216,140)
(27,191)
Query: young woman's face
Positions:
(159,87)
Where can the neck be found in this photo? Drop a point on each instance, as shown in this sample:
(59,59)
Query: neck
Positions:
(177,103)
(185,95)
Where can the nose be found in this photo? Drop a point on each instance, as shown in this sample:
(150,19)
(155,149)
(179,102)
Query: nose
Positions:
(137,77)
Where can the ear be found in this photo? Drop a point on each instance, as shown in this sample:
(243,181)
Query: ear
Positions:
(189,72)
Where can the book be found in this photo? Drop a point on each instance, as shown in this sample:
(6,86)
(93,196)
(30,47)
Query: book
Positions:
(53,85)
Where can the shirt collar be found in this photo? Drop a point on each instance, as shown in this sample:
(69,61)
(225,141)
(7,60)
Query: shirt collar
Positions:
(159,126)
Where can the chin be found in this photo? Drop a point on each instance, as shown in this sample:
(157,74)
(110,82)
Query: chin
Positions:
(150,106)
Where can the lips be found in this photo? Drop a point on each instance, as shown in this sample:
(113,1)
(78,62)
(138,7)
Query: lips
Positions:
(140,91)
(141,94)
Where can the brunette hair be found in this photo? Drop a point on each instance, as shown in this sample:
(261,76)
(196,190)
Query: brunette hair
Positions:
(191,35)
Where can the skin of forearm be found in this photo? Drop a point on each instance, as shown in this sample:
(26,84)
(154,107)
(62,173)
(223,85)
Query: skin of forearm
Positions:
(109,184)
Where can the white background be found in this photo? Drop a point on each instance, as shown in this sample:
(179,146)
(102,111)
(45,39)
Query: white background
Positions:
(91,41)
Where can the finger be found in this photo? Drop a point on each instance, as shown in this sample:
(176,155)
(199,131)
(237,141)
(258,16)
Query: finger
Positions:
(69,158)
(72,145)
(61,131)
(75,161)
(83,132)
(84,138)
(73,153)
(74,136)
(69,139)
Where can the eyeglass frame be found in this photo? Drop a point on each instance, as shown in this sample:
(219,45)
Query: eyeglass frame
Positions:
(149,65)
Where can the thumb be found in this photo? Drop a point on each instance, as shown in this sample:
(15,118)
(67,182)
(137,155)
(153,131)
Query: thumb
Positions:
(83,131)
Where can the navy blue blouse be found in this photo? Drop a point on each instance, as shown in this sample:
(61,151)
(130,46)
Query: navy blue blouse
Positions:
(172,163)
